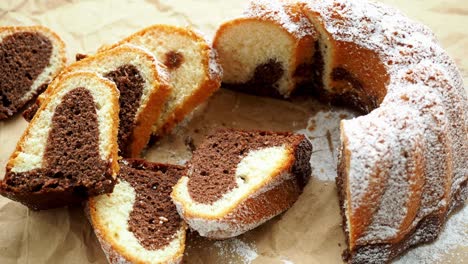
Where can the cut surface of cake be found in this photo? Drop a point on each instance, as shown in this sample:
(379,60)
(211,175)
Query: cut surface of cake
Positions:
(192,65)
(269,51)
(30,57)
(143,84)
(137,222)
(69,150)
(237,180)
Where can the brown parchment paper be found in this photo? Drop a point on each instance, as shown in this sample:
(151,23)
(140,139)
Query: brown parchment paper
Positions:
(309,232)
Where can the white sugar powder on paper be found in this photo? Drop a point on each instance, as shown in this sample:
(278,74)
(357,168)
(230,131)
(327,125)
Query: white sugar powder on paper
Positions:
(247,252)
(323,131)
(455,234)
(286,261)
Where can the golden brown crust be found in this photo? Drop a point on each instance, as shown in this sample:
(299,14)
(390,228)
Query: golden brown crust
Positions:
(366,66)
(207,87)
(210,84)
(304,45)
(148,116)
(167,29)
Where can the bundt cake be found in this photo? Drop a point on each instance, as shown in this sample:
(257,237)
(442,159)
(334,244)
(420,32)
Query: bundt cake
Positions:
(144,86)
(237,180)
(269,51)
(138,223)
(69,150)
(402,168)
(192,65)
(30,57)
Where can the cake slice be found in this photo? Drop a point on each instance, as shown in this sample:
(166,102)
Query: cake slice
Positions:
(144,86)
(69,150)
(237,180)
(269,51)
(191,62)
(138,223)
(30,57)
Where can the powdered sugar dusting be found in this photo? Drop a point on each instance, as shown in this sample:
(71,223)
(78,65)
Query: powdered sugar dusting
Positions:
(283,13)
(454,235)
(214,68)
(369,143)
(436,151)
(403,181)
(323,131)
(454,107)
(247,252)
(432,95)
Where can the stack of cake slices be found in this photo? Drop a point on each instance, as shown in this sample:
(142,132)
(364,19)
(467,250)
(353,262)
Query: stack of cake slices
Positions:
(101,107)
(162,73)
(94,111)
(108,105)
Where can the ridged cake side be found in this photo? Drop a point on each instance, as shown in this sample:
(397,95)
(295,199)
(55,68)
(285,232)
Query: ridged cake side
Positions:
(379,59)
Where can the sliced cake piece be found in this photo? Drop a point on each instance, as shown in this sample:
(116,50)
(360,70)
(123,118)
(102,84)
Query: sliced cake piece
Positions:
(69,150)
(30,57)
(269,51)
(195,73)
(144,86)
(237,180)
(138,223)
